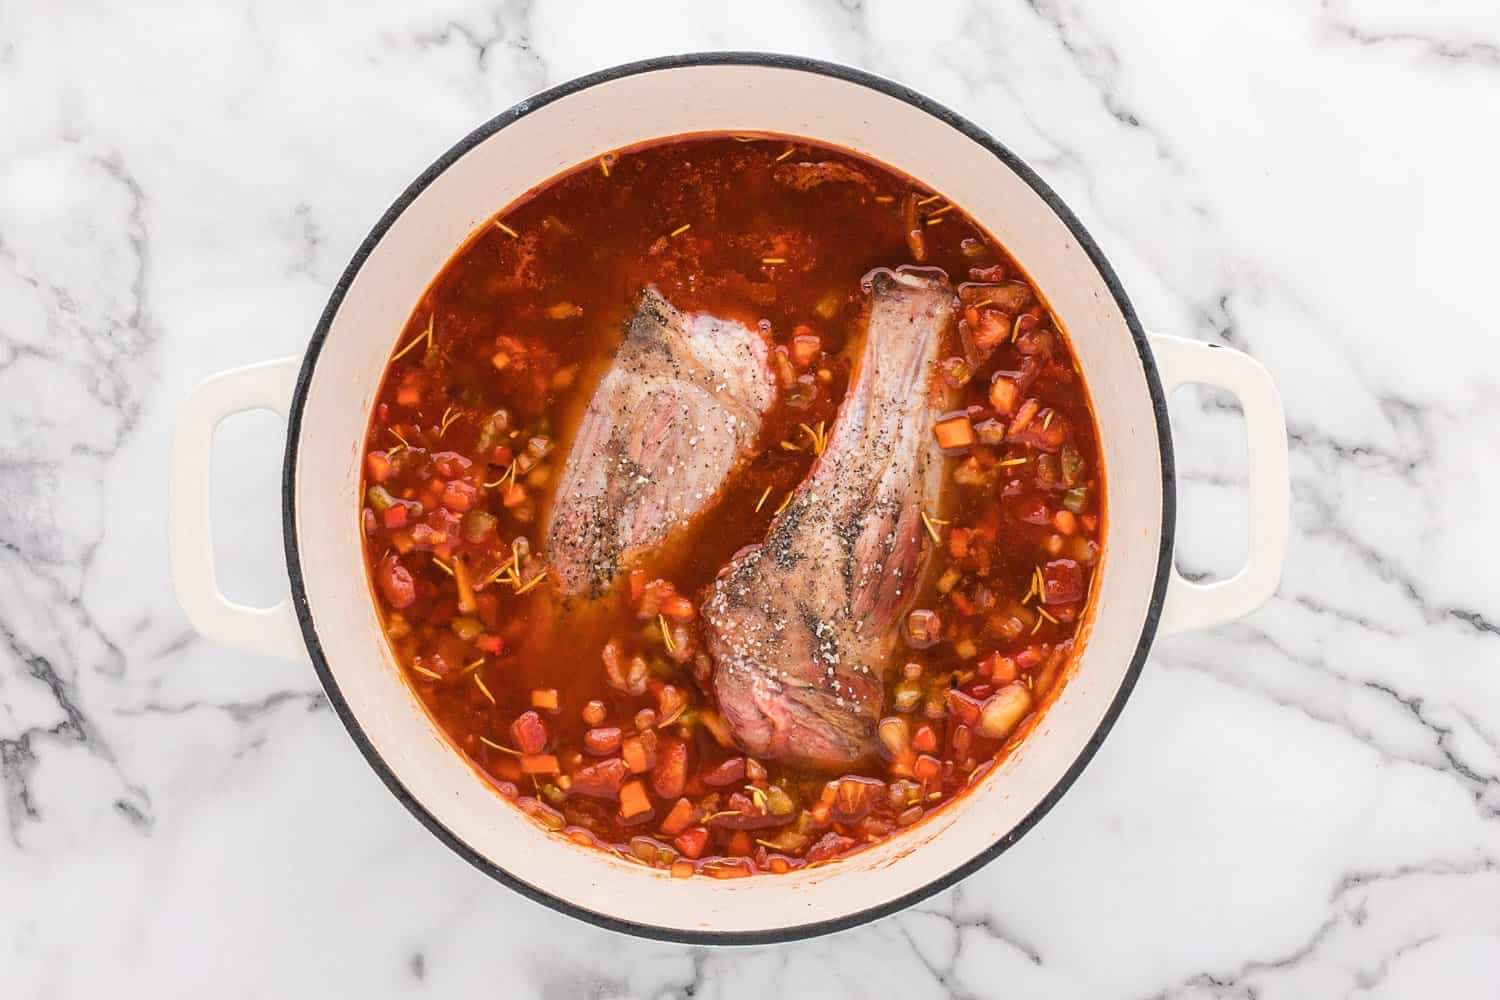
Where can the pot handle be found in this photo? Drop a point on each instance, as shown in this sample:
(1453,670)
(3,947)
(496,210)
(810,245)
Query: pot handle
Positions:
(1192,605)
(271,630)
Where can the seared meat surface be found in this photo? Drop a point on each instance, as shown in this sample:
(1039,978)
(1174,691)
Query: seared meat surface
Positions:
(680,407)
(801,627)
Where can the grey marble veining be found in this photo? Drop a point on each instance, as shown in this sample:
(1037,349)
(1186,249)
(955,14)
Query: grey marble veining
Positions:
(1304,803)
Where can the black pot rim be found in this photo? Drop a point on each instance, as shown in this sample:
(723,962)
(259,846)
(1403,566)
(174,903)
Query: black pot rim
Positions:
(294,428)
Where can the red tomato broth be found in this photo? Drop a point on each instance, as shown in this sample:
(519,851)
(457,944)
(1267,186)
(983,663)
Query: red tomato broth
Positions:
(595,717)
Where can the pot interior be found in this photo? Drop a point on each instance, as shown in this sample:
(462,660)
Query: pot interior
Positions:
(499,164)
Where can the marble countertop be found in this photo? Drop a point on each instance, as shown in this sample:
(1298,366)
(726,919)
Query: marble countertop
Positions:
(1305,803)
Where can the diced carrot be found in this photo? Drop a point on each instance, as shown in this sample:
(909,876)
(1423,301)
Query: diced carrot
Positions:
(734,869)
(805,346)
(683,869)
(545,699)
(691,841)
(379,466)
(954,432)
(678,819)
(962,603)
(514,495)
(637,584)
(1000,669)
(1003,395)
(492,644)
(927,767)
(636,756)
(740,843)
(1023,417)
(538,763)
(458,495)
(1065,521)
(678,608)
(634,801)
(394,516)
(408,395)
(958,542)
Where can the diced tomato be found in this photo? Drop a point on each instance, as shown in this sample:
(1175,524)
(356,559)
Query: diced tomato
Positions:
(529,732)
(602,740)
(450,464)
(1047,431)
(1000,669)
(670,702)
(670,777)
(1062,581)
(395,583)
(855,798)
(491,644)
(830,846)
(600,781)
(990,328)
(634,802)
(692,841)
(1032,510)
(678,819)
(394,516)
(924,739)
(730,772)
(678,608)
(458,495)
(1032,340)
(637,584)
(1029,657)
(962,603)
(961,706)
(927,768)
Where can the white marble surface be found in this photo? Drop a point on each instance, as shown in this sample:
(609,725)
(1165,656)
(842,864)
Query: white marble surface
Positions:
(1303,804)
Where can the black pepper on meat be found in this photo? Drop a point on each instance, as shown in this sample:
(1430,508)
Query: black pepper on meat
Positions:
(800,627)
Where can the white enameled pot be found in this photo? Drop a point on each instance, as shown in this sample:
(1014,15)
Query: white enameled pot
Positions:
(326,398)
